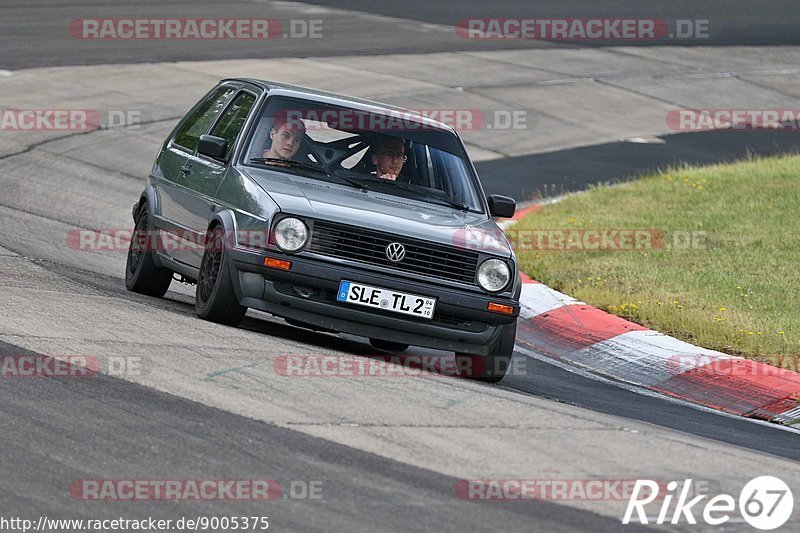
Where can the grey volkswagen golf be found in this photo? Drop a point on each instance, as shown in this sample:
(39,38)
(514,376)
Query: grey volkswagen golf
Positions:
(334,213)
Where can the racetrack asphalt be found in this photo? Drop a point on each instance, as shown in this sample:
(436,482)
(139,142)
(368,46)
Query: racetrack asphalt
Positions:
(60,430)
(33,32)
(574,169)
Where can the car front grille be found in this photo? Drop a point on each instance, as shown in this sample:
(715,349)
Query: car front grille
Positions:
(367,246)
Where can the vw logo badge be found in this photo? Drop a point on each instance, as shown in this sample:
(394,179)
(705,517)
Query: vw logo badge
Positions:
(395,252)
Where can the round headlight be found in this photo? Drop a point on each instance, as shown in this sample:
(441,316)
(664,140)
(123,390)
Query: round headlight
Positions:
(493,275)
(291,234)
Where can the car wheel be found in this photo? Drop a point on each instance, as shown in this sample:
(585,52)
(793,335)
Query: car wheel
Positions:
(214,296)
(389,346)
(489,368)
(141,273)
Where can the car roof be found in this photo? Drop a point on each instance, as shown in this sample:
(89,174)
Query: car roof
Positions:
(361,104)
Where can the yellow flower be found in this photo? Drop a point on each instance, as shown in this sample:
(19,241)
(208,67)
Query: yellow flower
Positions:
(580,281)
(780,333)
(760,332)
(721,308)
(749,332)
(680,307)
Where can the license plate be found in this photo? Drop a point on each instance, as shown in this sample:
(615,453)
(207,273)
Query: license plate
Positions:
(388,300)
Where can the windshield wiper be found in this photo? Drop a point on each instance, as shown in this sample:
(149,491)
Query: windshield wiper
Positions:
(354,182)
(406,187)
(291,163)
(451,203)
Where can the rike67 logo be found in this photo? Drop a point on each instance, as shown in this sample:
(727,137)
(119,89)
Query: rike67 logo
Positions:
(765,503)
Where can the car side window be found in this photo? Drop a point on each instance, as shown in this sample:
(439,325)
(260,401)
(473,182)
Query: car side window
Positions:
(230,124)
(199,121)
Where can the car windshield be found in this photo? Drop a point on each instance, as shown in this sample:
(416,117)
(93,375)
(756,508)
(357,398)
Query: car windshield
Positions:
(384,151)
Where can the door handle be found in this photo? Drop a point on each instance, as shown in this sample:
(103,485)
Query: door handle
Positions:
(186,169)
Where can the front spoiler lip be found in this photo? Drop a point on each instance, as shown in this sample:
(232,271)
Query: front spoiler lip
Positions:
(357,322)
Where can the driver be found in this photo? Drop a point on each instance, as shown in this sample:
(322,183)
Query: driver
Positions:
(286,138)
(388,156)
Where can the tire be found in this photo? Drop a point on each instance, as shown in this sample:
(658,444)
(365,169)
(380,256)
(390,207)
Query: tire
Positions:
(214,297)
(489,368)
(389,346)
(141,273)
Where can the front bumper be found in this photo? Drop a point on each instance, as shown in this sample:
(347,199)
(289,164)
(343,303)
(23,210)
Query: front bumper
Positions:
(307,293)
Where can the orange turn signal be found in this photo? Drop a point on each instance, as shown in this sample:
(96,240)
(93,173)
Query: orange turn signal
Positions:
(501,308)
(280,264)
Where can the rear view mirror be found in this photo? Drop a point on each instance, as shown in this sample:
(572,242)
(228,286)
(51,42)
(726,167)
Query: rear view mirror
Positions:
(211,146)
(501,206)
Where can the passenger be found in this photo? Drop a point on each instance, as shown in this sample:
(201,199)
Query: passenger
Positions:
(388,156)
(286,138)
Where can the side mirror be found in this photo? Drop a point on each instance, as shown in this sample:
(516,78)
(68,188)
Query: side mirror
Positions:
(501,206)
(211,146)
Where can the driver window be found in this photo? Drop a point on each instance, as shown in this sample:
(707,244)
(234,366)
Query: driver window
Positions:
(232,121)
(199,122)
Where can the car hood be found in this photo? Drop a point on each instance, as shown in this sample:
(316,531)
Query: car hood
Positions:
(382,212)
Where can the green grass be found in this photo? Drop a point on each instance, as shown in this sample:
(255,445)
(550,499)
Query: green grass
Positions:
(735,290)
